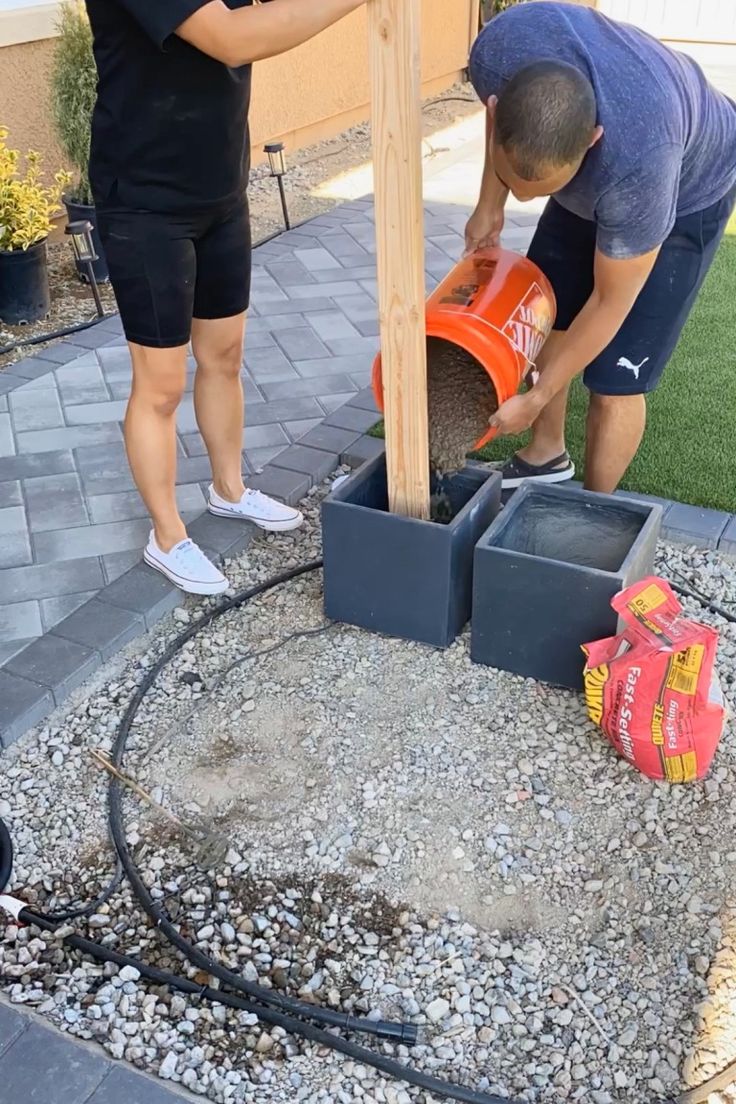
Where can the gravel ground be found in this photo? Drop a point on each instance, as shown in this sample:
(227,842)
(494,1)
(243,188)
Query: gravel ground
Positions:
(408,835)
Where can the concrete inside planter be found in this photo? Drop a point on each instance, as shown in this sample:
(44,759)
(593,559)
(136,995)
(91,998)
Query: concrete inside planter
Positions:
(398,575)
(568,530)
(545,573)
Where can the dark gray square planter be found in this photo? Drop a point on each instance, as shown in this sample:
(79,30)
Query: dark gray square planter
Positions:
(545,573)
(397,575)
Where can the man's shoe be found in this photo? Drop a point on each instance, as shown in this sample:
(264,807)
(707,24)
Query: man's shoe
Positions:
(258,508)
(516,471)
(186,566)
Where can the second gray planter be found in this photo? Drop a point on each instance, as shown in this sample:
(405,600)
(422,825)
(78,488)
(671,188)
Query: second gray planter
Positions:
(398,575)
(545,573)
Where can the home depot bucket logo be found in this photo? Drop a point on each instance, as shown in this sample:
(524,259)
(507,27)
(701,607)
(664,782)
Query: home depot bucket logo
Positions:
(530,324)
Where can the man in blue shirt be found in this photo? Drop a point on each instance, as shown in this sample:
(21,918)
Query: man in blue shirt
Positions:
(638,153)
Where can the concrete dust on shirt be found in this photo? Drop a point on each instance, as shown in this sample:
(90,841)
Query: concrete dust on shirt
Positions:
(461,400)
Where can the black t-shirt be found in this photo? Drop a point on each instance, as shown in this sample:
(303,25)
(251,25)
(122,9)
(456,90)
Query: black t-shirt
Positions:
(170,128)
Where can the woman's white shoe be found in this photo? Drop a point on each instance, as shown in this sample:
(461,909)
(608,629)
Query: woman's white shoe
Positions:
(186,566)
(258,508)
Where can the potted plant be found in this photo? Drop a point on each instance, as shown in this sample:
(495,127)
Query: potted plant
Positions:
(27,206)
(73,95)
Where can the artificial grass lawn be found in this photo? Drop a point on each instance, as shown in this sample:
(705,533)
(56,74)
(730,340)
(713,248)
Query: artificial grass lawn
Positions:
(689,450)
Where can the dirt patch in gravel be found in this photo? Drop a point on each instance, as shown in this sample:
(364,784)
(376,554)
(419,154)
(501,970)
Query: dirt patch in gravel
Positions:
(461,399)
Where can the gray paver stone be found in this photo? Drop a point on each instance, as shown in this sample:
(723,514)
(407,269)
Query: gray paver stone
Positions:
(318,385)
(26,467)
(10,494)
(124,1086)
(63,352)
(224,535)
(43,1067)
(11,1022)
(288,486)
(55,502)
(301,344)
(68,437)
(31,367)
(282,410)
(100,626)
(352,417)
(58,664)
(22,705)
(54,610)
(145,591)
(8,383)
(91,540)
(727,542)
(694,525)
(365,399)
(92,338)
(365,448)
(330,438)
(50,580)
(7,444)
(311,461)
(19,621)
(347,365)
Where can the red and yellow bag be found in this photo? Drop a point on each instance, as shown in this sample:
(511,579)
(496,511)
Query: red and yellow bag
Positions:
(653,689)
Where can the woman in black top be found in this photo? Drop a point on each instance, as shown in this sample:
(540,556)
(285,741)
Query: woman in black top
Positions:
(169,171)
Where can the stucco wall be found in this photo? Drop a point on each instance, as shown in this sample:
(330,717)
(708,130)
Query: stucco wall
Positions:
(24,96)
(308,94)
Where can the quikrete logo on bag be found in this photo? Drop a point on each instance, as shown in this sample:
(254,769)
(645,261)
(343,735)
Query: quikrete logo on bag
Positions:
(595,682)
(653,689)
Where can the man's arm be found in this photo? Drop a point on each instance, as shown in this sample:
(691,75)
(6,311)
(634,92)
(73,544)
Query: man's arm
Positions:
(486,223)
(617,286)
(242,35)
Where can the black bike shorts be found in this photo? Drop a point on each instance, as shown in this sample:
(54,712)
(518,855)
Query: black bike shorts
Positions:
(168,269)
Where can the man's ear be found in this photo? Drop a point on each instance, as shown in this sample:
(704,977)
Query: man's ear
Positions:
(491,106)
(597,135)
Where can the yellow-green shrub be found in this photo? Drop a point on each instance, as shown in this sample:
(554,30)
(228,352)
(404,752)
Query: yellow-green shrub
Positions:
(27,204)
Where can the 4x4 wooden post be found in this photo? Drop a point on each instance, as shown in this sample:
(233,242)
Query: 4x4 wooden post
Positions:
(397,135)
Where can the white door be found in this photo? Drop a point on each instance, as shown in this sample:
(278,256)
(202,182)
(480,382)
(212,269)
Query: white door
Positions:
(707,21)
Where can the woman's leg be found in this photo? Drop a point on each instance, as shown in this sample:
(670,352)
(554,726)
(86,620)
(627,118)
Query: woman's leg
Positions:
(150,435)
(217,345)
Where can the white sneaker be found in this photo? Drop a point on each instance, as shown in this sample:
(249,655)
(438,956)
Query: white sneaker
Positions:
(186,566)
(258,508)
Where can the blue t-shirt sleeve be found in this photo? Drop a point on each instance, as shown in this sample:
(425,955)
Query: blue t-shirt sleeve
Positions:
(637,213)
(161,18)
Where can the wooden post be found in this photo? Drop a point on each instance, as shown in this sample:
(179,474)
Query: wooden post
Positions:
(397,137)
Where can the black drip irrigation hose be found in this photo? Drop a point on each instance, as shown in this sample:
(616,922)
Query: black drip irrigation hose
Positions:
(293,1016)
(705,600)
(6,856)
(66,331)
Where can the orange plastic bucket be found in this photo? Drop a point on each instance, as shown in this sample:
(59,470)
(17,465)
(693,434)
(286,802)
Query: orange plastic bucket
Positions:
(500,308)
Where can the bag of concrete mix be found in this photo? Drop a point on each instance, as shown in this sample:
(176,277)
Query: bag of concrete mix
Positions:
(653,689)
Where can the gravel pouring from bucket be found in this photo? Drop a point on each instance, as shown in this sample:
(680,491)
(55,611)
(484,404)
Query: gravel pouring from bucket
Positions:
(486,323)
